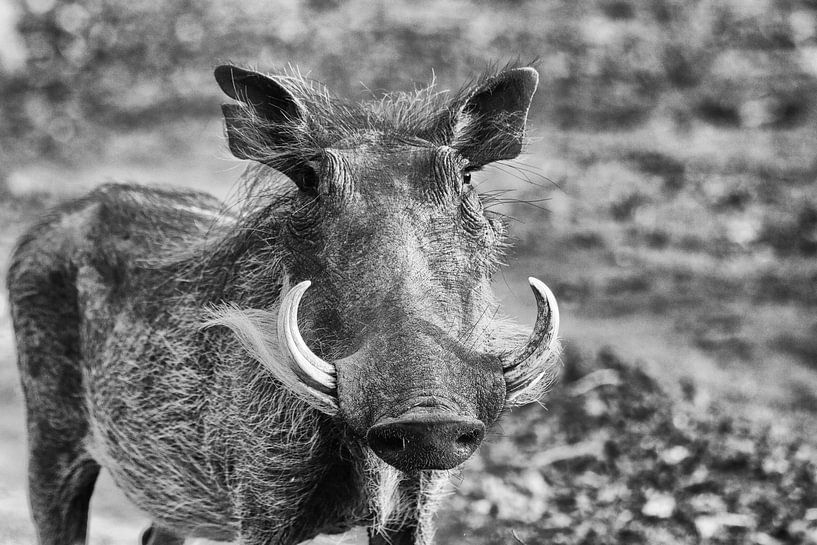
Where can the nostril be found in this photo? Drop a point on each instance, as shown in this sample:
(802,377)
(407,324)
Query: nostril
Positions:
(470,437)
(383,441)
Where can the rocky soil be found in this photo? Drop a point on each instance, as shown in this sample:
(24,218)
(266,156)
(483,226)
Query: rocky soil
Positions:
(613,458)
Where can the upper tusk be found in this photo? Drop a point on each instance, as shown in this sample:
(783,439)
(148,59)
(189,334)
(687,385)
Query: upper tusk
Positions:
(322,373)
(542,339)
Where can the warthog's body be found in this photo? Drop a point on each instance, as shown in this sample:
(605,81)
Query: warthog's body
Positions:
(225,432)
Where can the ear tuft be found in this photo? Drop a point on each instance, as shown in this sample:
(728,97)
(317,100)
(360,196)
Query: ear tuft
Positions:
(239,132)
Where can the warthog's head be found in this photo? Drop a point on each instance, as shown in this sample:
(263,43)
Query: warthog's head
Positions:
(387,318)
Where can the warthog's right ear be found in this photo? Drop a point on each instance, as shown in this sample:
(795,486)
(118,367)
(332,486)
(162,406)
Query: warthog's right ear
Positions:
(268,114)
(489,124)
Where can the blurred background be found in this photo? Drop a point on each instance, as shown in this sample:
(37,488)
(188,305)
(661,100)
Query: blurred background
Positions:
(667,196)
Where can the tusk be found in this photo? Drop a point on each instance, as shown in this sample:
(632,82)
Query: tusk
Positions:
(309,367)
(522,368)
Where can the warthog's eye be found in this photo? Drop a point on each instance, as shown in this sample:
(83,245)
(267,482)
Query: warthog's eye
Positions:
(307,179)
(467,172)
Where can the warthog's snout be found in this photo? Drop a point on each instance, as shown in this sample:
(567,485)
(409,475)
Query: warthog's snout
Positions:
(413,442)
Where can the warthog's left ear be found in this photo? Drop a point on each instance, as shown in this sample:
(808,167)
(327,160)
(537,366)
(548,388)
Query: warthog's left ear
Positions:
(489,125)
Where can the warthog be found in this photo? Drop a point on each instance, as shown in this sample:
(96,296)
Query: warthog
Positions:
(313,359)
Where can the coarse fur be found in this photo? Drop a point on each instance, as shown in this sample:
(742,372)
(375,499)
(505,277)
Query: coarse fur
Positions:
(145,319)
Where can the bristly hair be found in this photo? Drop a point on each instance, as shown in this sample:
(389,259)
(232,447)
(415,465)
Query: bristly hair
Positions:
(426,115)
(396,497)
